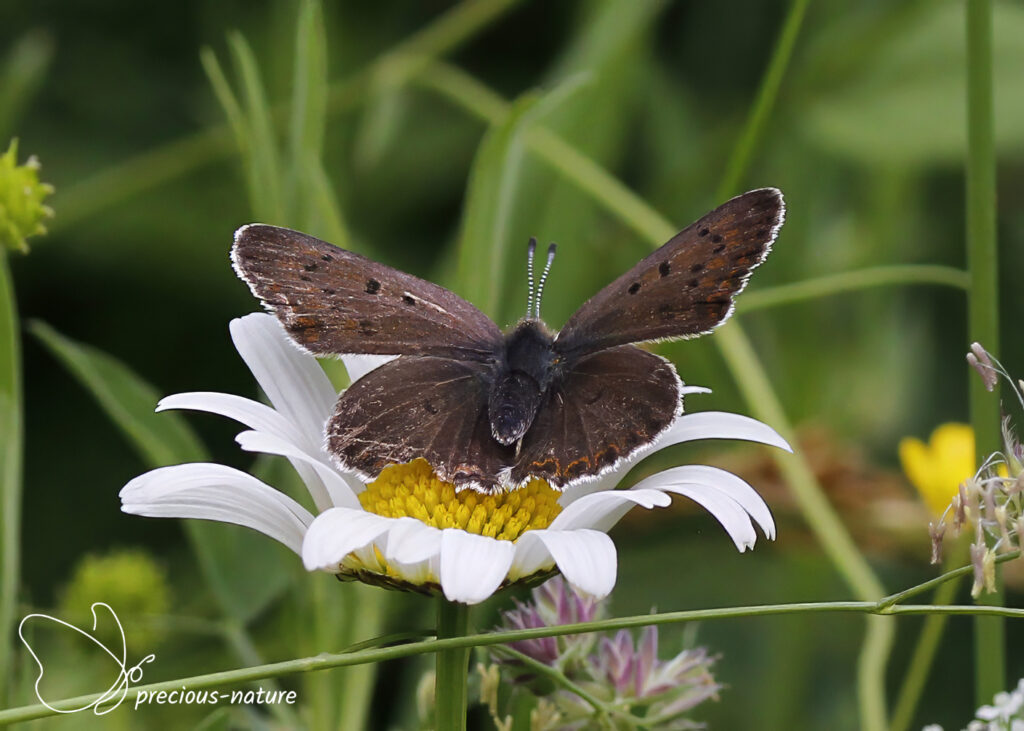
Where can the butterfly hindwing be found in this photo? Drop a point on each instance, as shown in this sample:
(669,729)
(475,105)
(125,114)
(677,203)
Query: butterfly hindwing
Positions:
(686,287)
(335,301)
(607,406)
(420,407)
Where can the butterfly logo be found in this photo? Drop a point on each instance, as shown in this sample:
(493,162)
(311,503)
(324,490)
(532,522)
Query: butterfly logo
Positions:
(490,409)
(112,697)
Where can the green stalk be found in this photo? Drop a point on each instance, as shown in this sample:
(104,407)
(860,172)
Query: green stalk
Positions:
(11,442)
(982,309)
(853,281)
(450,696)
(767,93)
(924,651)
(324,661)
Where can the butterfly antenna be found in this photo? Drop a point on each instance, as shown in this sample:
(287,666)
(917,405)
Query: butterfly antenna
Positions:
(531,249)
(544,276)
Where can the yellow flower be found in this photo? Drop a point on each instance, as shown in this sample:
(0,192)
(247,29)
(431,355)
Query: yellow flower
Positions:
(936,469)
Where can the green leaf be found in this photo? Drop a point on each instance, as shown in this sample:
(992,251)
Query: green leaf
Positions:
(907,105)
(264,170)
(491,195)
(161,439)
(309,94)
(244,569)
(489,201)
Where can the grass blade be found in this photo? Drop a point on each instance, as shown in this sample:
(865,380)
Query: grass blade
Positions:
(11,443)
(264,171)
(21,75)
(126,398)
(490,198)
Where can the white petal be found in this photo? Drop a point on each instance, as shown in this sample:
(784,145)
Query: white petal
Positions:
(472,566)
(216,492)
(720,425)
(586,558)
(602,510)
(292,379)
(688,427)
(413,551)
(328,486)
(713,478)
(609,480)
(530,557)
(411,541)
(251,413)
(358,365)
(727,511)
(686,390)
(337,532)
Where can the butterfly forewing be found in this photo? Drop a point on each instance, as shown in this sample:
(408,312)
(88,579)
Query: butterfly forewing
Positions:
(609,405)
(335,301)
(686,287)
(420,407)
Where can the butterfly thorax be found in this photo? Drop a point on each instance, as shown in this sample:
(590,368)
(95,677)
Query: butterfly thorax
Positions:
(524,373)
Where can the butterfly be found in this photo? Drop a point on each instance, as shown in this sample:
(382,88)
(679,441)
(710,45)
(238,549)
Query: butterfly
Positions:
(492,410)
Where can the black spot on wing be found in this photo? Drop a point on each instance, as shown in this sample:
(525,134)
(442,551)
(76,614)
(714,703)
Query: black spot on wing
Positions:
(372,286)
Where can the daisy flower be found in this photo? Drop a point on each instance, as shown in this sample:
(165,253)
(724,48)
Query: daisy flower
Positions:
(406,529)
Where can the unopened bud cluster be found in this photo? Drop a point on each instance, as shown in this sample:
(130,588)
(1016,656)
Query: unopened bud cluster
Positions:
(22,210)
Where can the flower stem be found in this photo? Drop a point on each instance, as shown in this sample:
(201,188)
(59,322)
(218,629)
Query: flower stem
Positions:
(452,667)
(983,318)
(11,437)
(374,651)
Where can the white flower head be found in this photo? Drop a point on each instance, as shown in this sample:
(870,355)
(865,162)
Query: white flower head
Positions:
(406,529)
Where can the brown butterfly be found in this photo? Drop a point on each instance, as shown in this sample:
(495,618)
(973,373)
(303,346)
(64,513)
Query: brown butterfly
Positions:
(491,410)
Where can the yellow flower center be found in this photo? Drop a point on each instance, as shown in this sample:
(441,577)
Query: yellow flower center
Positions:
(414,490)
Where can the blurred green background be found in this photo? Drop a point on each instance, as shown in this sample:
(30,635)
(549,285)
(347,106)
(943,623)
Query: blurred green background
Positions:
(866,141)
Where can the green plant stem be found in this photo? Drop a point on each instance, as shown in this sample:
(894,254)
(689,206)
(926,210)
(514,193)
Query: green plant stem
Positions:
(982,310)
(11,442)
(853,281)
(325,661)
(556,675)
(450,697)
(920,664)
(177,158)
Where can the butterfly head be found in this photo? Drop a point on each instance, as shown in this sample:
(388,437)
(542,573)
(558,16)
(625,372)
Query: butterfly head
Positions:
(534,294)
